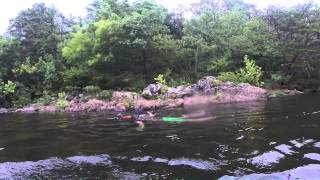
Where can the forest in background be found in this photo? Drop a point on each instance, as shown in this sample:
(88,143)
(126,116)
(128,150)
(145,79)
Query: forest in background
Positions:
(125,46)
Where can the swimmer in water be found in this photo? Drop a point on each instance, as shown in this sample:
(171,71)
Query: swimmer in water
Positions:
(139,117)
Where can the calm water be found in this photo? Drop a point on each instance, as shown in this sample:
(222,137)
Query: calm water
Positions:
(277,139)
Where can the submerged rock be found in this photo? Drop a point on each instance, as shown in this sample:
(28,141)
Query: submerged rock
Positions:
(280,93)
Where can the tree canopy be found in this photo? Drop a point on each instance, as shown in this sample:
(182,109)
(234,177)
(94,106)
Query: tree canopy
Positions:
(125,45)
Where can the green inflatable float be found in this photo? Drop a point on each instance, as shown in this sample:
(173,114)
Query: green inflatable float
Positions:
(174,119)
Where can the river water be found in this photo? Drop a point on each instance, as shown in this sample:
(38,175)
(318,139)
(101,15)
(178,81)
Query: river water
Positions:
(277,139)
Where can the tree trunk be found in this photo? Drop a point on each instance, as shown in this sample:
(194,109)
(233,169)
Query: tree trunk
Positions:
(291,63)
(196,59)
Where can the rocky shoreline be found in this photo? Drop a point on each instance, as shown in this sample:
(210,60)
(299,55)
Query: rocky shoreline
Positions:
(207,90)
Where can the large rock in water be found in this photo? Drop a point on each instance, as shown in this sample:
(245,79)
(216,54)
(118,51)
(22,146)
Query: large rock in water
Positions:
(212,89)
(232,92)
(206,84)
(181,92)
(152,90)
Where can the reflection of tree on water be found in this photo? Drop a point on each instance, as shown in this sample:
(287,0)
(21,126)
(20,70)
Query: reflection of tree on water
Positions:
(198,108)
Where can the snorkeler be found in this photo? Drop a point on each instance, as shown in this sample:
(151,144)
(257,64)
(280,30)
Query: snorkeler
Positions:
(138,115)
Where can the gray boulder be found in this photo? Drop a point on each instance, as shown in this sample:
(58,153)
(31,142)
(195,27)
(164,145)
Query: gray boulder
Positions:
(206,84)
(227,86)
(69,98)
(180,92)
(151,90)
(172,92)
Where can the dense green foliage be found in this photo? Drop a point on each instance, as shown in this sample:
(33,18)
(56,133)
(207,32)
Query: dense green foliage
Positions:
(122,45)
(104,95)
(251,73)
(62,102)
